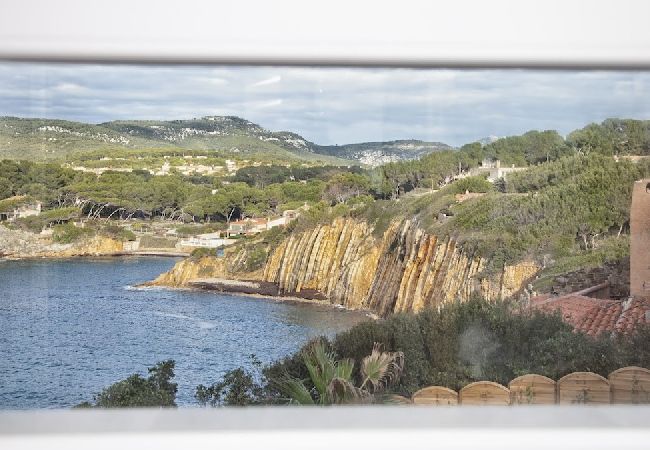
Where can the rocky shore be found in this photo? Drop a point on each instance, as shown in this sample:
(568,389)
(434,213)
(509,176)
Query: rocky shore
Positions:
(405,270)
(18,244)
(262,288)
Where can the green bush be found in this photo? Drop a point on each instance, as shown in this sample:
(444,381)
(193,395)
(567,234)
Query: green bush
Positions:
(238,387)
(69,233)
(563,208)
(156,242)
(255,258)
(472,184)
(36,224)
(118,233)
(202,252)
(477,340)
(136,391)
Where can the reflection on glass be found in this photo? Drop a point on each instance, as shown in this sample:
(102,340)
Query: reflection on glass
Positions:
(270,235)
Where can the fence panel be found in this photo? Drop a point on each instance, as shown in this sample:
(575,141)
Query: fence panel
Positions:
(630,385)
(484,393)
(532,389)
(395,399)
(583,388)
(435,395)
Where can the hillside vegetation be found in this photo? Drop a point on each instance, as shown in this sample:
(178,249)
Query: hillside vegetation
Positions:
(552,212)
(568,208)
(227,136)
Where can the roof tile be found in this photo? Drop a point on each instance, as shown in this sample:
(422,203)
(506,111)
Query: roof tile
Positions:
(595,316)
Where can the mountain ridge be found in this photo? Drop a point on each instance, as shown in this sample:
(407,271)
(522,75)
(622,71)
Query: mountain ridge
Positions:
(37,138)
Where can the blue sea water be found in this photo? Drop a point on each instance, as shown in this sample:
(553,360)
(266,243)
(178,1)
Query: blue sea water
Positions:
(69,328)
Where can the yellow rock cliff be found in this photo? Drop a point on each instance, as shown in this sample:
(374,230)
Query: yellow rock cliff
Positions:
(404,270)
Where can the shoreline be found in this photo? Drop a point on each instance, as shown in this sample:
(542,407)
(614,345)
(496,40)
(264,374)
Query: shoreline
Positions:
(7,257)
(291,299)
(223,286)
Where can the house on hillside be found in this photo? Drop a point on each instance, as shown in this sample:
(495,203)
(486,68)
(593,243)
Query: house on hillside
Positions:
(15,209)
(257,225)
(247,226)
(492,168)
(490,163)
(208,240)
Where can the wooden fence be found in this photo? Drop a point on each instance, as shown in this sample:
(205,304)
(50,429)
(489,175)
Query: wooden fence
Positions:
(629,385)
(532,390)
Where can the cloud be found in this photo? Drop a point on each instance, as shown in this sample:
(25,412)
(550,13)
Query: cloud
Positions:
(331,105)
(71,88)
(267,81)
(267,104)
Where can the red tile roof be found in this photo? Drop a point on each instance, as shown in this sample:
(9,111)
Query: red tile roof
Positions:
(595,316)
(634,313)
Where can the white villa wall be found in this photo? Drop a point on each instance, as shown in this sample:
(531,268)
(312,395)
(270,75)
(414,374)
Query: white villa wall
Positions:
(206,243)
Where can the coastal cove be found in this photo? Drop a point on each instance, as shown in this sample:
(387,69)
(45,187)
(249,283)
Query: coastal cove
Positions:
(70,327)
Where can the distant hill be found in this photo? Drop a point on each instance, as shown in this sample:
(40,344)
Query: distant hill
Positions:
(489,140)
(377,153)
(48,139)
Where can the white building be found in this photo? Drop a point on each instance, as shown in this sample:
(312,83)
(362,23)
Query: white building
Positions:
(492,168)
(20,211)
(208,240)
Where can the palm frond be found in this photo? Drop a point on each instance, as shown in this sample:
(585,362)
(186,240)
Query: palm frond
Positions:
(381,368)
(344,368)
(295,390)
(342,391)
(321,366)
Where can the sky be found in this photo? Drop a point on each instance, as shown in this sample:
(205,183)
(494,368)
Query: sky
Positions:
(331,105)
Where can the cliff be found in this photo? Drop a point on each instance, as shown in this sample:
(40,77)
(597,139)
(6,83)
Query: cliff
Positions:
(96,246)
(22,244)
(406,270)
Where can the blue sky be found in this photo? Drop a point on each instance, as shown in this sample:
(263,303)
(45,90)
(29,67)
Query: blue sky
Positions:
(331,105)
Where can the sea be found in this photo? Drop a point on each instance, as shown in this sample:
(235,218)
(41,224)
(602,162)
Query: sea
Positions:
(71,327)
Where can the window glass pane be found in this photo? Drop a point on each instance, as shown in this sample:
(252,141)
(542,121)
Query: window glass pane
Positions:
(228,235)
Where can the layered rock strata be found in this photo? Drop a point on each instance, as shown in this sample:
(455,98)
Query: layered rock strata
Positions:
(404,270)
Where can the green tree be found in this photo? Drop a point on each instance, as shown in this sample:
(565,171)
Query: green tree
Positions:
(238,387)
(345,186)
(6,188)
(135,391)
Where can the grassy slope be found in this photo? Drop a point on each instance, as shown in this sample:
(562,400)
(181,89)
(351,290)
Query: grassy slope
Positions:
(22,139)
(543,223)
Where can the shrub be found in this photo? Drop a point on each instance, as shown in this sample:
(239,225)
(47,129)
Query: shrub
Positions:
(119,233)
(255,258)
(136,391)
(201,252)
(477,340)
(69,233)
(238,387)
(156,242)
(472,184)
(47,218)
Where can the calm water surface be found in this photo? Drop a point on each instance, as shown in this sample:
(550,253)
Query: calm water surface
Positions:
(69,328)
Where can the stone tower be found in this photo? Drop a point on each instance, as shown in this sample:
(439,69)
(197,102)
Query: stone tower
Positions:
(640,240)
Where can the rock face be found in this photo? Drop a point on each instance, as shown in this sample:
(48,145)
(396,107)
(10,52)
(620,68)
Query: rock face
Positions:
(616,273)
(406,270)
(22,244)
(96,246)
(190,269)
